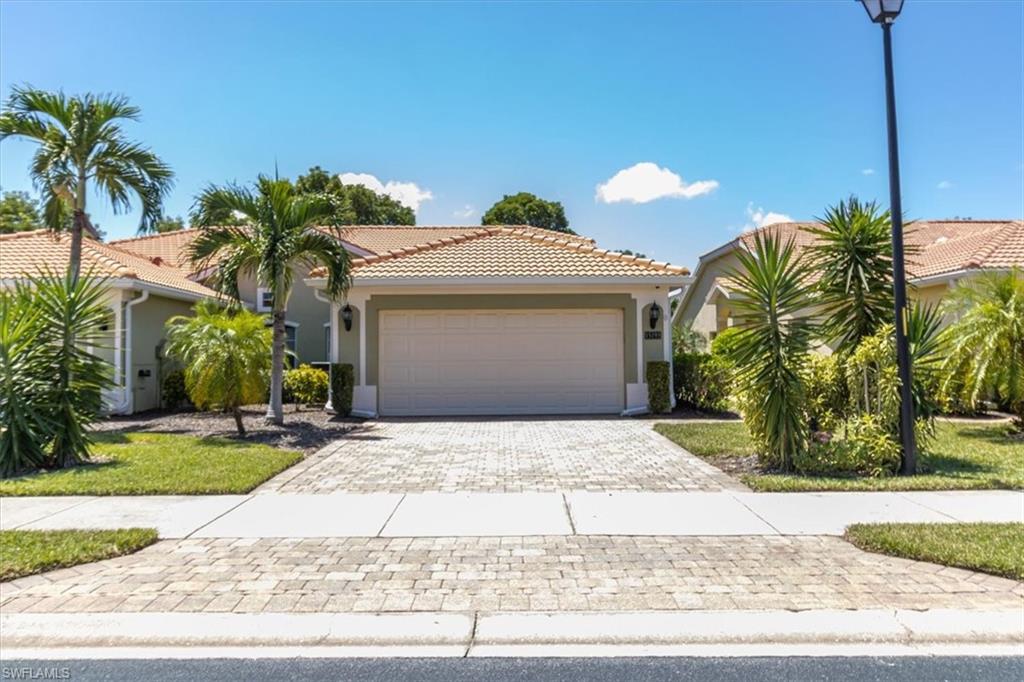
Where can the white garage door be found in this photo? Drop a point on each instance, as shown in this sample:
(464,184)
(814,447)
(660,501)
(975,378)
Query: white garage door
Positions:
(449,362)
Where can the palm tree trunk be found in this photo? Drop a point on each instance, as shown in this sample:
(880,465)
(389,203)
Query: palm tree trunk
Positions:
(77,229)
(275,408)
(236,412)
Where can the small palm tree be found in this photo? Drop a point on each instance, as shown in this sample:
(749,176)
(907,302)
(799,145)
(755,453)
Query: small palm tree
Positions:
(986,343)
(81,144)
(770,350)
(226,354)
(279,235)
(853,255)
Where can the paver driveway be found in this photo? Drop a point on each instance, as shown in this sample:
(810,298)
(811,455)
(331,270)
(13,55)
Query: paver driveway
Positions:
(571,573)
(501,455)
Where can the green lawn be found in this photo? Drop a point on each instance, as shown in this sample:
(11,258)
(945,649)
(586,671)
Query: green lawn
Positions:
(160,464)
(963,457)
(996,548)
(25,552)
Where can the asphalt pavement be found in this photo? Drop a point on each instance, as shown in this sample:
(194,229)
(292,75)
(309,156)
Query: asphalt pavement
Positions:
(862,669)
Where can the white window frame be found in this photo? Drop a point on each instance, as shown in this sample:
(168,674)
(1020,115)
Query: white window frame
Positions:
(262,307)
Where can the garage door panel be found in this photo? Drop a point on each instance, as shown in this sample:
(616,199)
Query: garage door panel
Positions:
(501,362)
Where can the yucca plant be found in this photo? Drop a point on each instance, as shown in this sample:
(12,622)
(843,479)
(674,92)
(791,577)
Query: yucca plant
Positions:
(75,313)
(772,289)
(852,255)
(986,343)
(226,356)
(51,380)
(25,421)
(279,235)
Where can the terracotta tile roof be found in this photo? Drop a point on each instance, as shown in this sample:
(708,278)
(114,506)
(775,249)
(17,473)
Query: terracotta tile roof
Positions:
(942,246)
(171,246)
(507,252)
(30,253)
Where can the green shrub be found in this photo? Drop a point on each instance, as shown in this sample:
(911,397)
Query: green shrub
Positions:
(173,392)
(306,385)
(827,392)
(724,342)
(342,384)
(866,448)
(701,381)
(658,395)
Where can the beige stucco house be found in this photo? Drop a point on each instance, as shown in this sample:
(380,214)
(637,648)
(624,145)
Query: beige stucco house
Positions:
(142,296)
(475,320)
(946,253)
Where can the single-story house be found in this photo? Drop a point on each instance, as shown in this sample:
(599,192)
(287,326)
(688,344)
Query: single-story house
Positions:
(453,320)
(142,296)
(941,254)
(501,320)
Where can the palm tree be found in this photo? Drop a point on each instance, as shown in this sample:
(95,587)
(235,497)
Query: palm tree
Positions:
(81,143)
(279,236)
(853,254)
(226,354)
(771,348)
(986,343)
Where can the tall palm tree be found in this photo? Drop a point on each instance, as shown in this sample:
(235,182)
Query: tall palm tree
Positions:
(81,144)
(279,235)
(986,343)
(853,254)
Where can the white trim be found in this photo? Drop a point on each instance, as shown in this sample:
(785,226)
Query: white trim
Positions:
(262,307)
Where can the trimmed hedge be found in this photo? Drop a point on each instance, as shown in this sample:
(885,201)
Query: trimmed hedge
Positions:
(342,383)
(702,381)
(306,385)
(658,399)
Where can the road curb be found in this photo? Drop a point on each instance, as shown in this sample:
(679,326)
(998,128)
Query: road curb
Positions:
(506,633)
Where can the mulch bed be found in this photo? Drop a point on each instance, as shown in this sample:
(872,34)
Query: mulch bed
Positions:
(306,431)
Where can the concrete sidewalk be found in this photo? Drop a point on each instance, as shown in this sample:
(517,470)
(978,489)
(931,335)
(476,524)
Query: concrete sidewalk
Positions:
(504,514)
(497,634)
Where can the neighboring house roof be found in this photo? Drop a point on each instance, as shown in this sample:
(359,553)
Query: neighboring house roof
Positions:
(940,247)
(374,239)
(500,252)
(32,253)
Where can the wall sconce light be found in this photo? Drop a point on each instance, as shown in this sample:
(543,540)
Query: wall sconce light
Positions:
(655,315)
(346,317)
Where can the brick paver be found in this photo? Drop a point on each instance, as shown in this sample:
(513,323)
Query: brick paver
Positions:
(502,456)
(574,573)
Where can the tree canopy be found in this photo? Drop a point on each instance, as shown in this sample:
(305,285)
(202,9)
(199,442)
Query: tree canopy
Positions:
(353,204)
(528,209)
(19,212)
(167,224)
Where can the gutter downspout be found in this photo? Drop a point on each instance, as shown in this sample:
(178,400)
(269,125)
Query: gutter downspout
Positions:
(128,404)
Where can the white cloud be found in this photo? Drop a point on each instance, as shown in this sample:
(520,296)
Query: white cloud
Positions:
(406,193)
(868,171)
(945,184)
(464,212)
(646,182)
(758,217)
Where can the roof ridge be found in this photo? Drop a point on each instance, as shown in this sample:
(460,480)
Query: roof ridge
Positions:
(978,258)
(26,233)
(580,247)
(155,235)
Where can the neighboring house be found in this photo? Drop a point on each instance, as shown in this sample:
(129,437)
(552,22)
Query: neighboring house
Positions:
(476,320)
(947,252)
(143,295)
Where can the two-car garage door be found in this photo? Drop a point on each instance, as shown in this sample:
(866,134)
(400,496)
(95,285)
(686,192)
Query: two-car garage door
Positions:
(451,362)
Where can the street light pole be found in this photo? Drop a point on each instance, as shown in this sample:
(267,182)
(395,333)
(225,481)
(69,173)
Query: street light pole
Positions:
(909,463)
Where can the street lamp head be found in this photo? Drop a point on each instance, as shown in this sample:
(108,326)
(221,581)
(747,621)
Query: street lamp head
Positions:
(882,11)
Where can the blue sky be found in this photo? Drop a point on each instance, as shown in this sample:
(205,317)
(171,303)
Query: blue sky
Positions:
(758,107)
